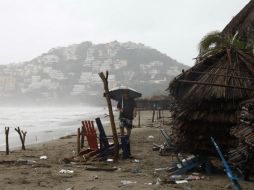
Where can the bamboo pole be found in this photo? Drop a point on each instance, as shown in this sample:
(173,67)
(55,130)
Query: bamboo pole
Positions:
(111,115)
(22,135)
(7,139)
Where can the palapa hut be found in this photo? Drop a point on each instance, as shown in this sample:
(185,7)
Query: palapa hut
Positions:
(208,94)
(243,23)
(242,155)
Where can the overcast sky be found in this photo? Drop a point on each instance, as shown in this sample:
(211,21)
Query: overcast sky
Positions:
(32,27)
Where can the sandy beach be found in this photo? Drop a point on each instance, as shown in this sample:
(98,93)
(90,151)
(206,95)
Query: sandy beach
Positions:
(25,170)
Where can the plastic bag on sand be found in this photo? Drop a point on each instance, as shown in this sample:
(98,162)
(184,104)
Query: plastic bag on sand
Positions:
(63,171)
(127,182)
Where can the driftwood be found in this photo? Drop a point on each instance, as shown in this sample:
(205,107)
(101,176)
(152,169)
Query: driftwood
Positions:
(111,115)
(7,139)
(101,169)
(22,135)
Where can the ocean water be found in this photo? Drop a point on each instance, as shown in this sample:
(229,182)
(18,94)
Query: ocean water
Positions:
(44,123)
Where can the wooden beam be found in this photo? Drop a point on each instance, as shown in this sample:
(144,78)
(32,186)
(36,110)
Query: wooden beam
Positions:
(214,84)
(229,76)
(224,68)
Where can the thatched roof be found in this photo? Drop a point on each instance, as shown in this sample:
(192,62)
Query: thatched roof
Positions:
(241,22)
(227,75)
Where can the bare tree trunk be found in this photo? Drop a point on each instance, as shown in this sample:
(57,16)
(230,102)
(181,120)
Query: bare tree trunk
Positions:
(7,139)
(111,115)
(22,135)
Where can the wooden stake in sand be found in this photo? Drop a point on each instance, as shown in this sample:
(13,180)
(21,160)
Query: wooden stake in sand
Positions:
(153,114)
(111,115)
(22,135)
(139,117)
(78,141)
(82,140)
(7,139)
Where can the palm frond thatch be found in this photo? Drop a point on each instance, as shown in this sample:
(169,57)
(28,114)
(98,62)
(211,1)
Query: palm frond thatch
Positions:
(207,97)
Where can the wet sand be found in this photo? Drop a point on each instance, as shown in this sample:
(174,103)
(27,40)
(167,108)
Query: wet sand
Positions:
(44,174)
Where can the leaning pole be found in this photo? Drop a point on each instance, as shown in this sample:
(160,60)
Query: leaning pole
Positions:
(111,115)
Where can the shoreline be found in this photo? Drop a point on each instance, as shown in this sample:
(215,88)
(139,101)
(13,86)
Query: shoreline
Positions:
(50,127)
(45,174)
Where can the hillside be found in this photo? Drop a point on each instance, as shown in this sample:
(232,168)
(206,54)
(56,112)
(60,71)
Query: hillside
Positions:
(70,74)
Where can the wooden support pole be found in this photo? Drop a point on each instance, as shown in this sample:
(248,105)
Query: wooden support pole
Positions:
(139,117)
(78,141)
(111,115)
(22,135)
(162,115)
(82,140)
(7,139)
(153,115)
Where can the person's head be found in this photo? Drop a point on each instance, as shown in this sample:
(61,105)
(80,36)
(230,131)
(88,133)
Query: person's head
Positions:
(126,95)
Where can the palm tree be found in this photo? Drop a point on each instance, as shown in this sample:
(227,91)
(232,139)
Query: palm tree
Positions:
(215,42)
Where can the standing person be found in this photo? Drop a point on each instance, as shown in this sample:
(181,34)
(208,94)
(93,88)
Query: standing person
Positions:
(128,110)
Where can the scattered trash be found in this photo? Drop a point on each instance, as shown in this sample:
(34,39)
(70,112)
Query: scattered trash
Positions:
(63,171)
(158,181)
(92,168)
(70,188)
(135,161)
(194,177)
(176,177)
(29,162)
(43,158)
(110,160)
(148,183)
(136,170)
(161,169)
(157,147)
(95,177)
(181,181)
(150,137)
(127,182)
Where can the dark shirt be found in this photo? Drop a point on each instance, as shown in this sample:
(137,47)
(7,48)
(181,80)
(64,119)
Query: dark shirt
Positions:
(128,108)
